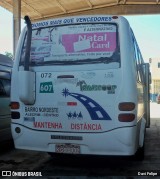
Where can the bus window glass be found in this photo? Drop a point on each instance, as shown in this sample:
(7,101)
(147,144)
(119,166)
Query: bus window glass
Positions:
(75,44)
(4,88)
(5,75)
(138,59)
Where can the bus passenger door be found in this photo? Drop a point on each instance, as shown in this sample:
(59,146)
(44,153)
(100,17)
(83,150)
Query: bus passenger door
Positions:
(147,82)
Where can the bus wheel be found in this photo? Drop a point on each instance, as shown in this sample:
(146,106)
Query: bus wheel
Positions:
(51,154)
(55,157)
(139,156)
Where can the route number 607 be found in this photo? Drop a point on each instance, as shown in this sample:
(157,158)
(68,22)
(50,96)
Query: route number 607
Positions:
(46,87)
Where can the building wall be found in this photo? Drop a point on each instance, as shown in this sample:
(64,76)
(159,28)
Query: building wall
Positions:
(155,72)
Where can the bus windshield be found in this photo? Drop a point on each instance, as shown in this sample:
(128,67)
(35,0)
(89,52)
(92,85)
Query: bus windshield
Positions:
(75,44)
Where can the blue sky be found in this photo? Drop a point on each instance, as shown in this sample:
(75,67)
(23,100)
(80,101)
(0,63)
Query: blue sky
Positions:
(145,27)
(146,30)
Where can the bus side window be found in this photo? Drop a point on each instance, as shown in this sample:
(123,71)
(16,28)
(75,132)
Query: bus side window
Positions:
(4,88)
(138,60)
(141,70)
(2,91)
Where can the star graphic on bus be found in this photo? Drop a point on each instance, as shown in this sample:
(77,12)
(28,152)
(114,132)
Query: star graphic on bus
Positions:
(65,92)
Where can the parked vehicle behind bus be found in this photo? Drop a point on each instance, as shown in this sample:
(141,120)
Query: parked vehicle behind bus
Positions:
(158,98)
(80,86)
(5,84)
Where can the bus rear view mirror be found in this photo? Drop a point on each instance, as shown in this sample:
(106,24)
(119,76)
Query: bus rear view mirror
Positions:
(27,88)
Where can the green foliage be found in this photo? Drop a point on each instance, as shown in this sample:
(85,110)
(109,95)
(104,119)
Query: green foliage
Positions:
(8,54)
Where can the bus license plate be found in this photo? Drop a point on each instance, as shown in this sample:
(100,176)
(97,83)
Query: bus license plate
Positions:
(67,148)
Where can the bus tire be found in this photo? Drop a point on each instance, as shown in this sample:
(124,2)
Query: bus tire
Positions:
(139,156)
(55,157)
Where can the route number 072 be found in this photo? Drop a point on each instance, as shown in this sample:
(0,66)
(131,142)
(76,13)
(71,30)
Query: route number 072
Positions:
(46,75)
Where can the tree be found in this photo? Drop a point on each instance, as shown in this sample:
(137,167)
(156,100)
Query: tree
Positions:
(8,54)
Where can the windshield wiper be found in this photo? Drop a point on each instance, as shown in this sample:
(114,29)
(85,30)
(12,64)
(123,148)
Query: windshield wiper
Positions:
(105,60)
(54,62)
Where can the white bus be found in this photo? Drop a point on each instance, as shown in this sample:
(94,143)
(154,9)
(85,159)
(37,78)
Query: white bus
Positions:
(80,86)
(5,84)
